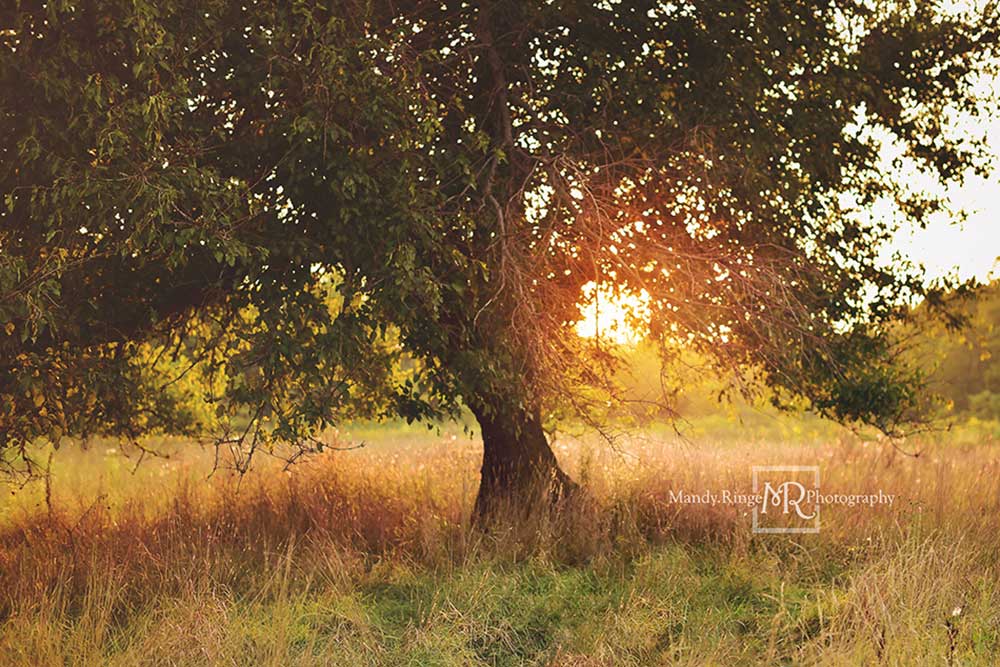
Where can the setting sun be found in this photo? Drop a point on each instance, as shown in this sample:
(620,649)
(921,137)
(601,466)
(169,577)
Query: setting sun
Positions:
(620,317)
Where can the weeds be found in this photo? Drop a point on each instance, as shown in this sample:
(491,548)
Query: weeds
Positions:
(361,558)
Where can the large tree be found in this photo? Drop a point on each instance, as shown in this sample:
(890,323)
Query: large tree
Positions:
(303,209)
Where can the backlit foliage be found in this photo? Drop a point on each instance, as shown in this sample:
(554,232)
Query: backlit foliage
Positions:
(302,200)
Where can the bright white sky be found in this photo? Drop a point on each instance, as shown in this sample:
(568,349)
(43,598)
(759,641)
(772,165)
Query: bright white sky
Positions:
(970,249)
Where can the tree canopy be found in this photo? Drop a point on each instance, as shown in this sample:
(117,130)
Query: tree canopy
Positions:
(301,210)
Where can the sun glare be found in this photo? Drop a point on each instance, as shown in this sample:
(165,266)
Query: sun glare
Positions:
(612,315)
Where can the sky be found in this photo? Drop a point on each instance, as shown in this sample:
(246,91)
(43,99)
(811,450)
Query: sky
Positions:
(970,249)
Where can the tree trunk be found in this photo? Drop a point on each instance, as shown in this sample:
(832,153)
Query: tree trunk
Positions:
(520,473)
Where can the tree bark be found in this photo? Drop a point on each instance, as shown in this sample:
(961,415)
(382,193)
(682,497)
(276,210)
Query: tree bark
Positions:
(520,473)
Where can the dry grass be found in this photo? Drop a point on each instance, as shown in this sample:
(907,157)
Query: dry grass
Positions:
(364,557)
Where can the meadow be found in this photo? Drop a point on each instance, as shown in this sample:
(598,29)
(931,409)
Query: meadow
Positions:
(365,557)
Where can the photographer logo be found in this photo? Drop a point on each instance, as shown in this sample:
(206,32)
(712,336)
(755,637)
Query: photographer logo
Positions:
(789,499)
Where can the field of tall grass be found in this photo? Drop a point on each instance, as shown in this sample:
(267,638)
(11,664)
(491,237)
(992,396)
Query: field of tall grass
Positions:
(365,557)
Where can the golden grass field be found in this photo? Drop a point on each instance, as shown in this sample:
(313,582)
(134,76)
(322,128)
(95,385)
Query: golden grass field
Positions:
(365,557)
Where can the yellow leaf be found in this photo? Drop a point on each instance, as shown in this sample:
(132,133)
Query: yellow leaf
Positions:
(39,400)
